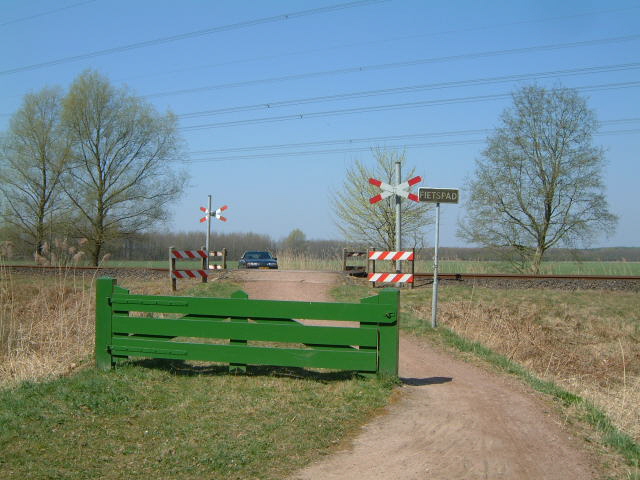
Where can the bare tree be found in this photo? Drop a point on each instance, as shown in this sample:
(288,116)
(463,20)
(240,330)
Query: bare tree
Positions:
(34,155)
(539,181)
(123,176)
(363,223)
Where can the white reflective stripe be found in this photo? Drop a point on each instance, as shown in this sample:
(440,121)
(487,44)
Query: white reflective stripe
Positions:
(391,277)
(385,187)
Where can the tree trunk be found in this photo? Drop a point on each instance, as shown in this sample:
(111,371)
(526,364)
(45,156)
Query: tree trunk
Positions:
(537,260)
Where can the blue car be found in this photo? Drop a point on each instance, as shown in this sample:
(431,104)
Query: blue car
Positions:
(256,259)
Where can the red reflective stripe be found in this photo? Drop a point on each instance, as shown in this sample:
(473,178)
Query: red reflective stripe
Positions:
(415,180)
(375,182)
(414,197)
(375,199)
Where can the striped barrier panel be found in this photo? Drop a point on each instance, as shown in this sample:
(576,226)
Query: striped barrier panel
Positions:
(347,255)
(185,274)
(394,256)
(223,255)
(175,274)
(391,277)
(189,254)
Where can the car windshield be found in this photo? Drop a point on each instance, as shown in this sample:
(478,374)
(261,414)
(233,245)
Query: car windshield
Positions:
(257,256)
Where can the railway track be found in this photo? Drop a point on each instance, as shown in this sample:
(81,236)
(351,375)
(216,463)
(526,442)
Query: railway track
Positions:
(497,280)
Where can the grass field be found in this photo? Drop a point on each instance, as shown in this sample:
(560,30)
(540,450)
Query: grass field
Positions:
(68,421)
(303,262)
(60,418)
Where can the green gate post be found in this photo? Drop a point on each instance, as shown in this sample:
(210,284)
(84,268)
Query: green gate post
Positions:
(238,367)
(104,290)
(389,333)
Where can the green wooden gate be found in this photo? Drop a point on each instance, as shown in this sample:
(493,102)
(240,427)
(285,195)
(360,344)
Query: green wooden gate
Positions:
(247,332)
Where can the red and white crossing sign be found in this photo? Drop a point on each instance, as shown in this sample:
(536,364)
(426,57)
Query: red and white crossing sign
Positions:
(402,189)
(217,214)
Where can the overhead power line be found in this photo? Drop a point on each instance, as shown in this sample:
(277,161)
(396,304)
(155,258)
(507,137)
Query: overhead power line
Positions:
(387,66)
(194,34)
(396,106)
(370,140)
(446,143)
(413,88)
(385,40)
(42,14)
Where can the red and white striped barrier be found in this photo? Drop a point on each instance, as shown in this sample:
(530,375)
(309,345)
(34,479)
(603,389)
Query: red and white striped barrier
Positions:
(391,277)
(391,256)
(182,274)
(385,277)
(188,254)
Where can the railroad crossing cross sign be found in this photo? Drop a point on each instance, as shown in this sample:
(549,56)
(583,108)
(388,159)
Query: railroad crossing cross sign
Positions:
(401,190)
(217,214)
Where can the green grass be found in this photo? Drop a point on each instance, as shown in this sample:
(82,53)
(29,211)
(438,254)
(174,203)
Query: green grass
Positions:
(547,268)
(173,420)
(164,421)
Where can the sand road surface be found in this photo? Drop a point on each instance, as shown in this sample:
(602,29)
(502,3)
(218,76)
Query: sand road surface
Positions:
(452,419)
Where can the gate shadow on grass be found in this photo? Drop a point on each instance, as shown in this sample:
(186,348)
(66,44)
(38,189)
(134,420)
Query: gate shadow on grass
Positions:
(182,368)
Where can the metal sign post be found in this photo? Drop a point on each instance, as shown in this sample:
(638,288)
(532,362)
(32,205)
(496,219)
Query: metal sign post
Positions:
(207,218)
(208,232)
(434,298)
(437,196)
(398,219)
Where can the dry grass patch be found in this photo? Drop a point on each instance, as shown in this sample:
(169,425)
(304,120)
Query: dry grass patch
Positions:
(47,323)
(586,342)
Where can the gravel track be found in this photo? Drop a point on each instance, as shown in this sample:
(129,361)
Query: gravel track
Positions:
(572,284)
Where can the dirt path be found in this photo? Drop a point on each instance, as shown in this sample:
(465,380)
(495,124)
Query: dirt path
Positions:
(452,420)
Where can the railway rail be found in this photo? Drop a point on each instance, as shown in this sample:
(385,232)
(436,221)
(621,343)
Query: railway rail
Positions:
(496,280)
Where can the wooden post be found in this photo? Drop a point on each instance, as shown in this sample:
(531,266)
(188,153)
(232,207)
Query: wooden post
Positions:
(371,266)
(344,259)
(413,266)
(205,265)
(238,367)
(172,267)
(104,290)
(389,337)
(224,258)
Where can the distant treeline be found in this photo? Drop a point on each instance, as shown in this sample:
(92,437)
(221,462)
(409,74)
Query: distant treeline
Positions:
(155,246)
(609,254)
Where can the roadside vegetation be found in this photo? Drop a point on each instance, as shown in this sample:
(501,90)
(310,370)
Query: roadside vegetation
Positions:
(60,418)
(580,347)
(293,261)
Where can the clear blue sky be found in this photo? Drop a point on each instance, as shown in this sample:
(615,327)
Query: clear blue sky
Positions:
(329,53)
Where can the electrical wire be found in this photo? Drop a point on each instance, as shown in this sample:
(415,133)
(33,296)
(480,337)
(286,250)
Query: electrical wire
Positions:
(380,108)
(376,42)
(351,141)
(368,148)
(194,34)
(413,88)
(48,12)
(387,66)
